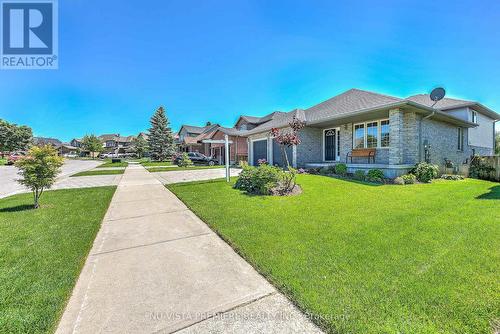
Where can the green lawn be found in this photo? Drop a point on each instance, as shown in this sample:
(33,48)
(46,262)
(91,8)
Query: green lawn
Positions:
(170,169)
(42,252)
(156,163)
(99,172)
(113,164)
(370,259)
(3,161)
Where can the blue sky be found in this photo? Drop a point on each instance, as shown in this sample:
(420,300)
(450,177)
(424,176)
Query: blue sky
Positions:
(214,60)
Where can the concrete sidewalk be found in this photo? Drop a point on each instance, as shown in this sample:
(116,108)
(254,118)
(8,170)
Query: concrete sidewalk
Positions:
(156,268)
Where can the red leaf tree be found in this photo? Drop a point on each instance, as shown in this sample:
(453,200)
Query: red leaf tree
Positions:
(288,138)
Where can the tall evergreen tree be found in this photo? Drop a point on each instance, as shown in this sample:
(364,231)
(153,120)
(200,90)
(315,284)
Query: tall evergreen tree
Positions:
(161,139)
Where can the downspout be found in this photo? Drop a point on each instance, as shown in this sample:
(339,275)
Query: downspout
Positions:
(420,135)
(430,115)
(236,150)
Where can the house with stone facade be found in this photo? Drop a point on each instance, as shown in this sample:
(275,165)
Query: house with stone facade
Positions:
(368,130)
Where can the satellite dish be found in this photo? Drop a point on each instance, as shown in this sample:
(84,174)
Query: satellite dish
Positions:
(437,94)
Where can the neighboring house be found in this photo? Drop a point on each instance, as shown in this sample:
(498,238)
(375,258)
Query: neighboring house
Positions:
(238,148)
(400,132)
(63,149)
(189,138)
(66,149)
(75,142)
(114,143)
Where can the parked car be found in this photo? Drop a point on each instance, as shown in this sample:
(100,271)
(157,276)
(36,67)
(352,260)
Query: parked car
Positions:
(13,157)
(198,159)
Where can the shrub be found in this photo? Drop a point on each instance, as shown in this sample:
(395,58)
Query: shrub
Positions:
(399,180)
(313,171)
(480,169)
(259,180)
(375,175)
(359,175)
(325,171)
(425,172)
(341,169)
(409,178)
(185,161)
(452,177)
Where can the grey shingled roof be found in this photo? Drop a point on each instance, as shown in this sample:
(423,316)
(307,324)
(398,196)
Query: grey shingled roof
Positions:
(445,103)
(278,120)
(193,129)
(357,100)
(347,102)
(199,129)
(231,131)
(45,141)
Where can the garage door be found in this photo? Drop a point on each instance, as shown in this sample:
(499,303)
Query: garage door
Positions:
(259,151)
(277,156)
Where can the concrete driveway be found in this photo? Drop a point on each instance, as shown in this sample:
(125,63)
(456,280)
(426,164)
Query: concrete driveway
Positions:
(8,175)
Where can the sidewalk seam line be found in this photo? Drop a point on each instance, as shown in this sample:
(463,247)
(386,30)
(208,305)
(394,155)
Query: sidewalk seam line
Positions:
(151,244)
(225,311)
(145,215)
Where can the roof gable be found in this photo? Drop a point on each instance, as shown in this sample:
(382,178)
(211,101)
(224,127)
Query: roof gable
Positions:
(349,101)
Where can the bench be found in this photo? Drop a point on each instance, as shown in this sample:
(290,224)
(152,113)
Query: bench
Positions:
(362,153)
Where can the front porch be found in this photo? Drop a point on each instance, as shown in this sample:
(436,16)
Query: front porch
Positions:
(390,171)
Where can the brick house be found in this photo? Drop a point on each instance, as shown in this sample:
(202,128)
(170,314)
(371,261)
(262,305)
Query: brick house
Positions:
(398,132)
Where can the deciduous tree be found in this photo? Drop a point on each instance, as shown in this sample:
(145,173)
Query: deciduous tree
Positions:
(92,144)
(39,169)
(140,146)
(14,137)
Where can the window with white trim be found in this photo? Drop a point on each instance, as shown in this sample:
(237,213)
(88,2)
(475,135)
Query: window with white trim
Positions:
(359,135)
(384,133)
(473,116)
(373,134)
(460,145)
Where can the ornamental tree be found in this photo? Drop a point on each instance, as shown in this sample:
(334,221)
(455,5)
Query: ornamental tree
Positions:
(288,138)
(39,169)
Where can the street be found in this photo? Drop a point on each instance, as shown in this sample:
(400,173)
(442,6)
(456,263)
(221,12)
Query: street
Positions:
(8,175)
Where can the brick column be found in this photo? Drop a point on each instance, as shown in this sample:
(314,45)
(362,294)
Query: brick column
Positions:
(411,138)
(396,137)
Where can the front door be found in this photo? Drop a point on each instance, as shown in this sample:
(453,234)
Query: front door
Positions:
(331,140)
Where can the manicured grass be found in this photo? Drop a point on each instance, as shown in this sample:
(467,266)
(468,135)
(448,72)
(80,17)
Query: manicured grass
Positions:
(156,163)
(370,259)
(42,252)
(99,172)
(171,169)
(113,164)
